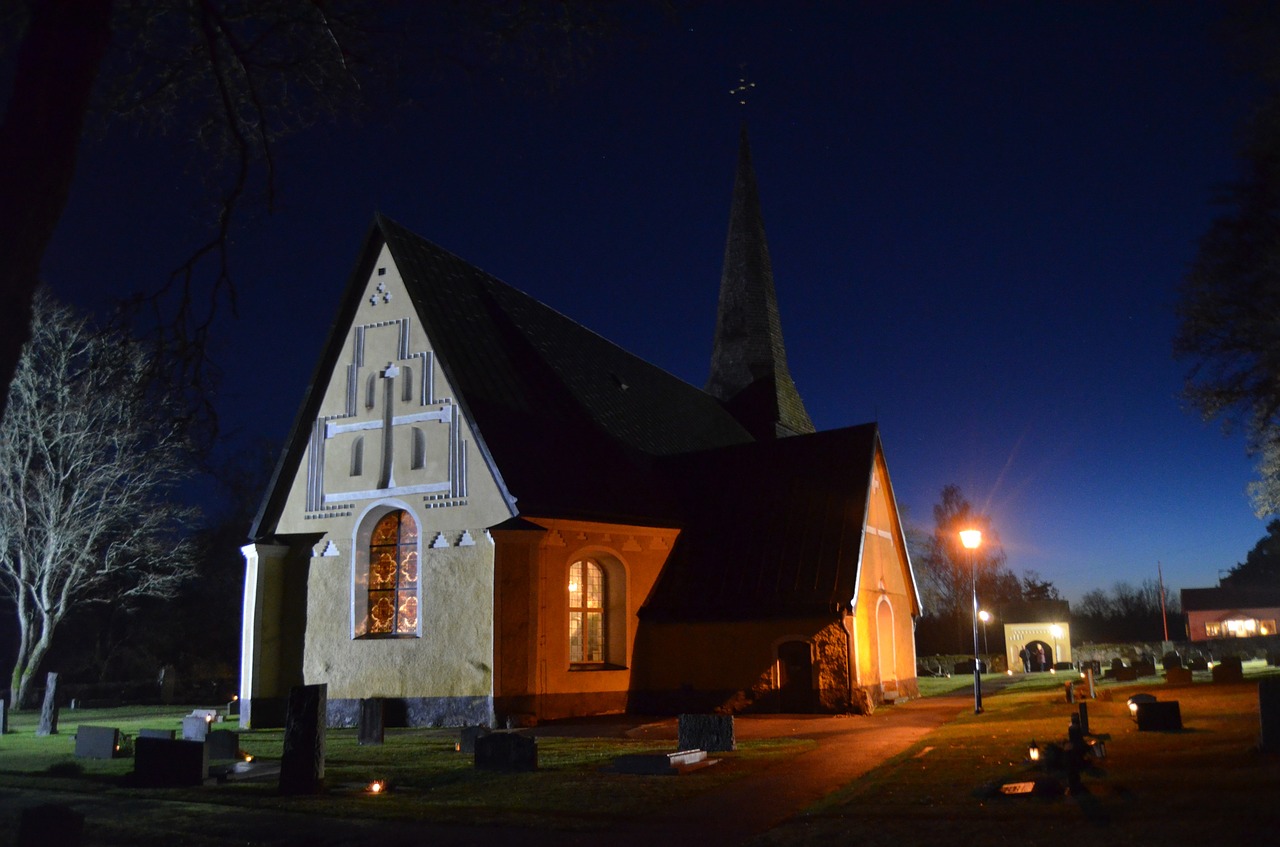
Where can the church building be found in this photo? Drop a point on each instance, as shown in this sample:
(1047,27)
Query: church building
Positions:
(486,512)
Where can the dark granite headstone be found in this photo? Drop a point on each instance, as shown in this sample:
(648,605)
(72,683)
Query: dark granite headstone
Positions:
(1124,674)
(1160,716)
(302,761)
(506,751)
(1269,713)
(1197,665)
(1178,676)
(1083,713)
(1117,663)
(1273,657)
(1171,660)
(164,762)
(97,742)
(713,733)
(223,744)
(1144,668)
(49,824)
(49,709)
(157,733)
(467,738)
(1230,669)
(371,726)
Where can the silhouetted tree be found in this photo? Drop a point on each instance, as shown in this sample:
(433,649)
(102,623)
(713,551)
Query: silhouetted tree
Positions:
(1126,612)
(1229,308)
(947,569)
(1261,567)
(226,79)
(1034,587)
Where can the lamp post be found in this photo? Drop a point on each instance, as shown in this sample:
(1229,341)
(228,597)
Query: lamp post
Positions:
(985,617)
(971,538)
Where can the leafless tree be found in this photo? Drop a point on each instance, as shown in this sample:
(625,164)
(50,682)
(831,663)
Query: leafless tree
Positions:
(90,450)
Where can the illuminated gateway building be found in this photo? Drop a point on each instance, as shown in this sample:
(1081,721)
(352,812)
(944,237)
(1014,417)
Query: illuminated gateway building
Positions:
(486,512)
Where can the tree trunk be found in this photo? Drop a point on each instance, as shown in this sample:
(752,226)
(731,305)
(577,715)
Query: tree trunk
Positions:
(57,64)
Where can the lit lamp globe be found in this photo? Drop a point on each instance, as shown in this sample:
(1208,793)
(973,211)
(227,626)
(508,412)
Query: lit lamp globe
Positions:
(971,538)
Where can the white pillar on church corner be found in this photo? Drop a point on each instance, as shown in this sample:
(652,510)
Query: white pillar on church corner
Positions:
(260,625)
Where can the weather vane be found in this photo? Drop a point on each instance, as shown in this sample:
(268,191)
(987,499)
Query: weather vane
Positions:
(743,88)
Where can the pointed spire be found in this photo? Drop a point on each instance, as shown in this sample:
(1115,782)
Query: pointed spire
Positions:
(748,361)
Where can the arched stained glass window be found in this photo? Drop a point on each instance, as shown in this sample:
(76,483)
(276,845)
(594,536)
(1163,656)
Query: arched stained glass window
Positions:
(393,575)
(586,612)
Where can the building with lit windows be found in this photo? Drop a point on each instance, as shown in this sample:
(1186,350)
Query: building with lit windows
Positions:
(487,513)
(1230,612)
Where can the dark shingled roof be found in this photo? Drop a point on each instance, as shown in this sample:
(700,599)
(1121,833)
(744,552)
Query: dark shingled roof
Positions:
(773,527)
(1034,611)
(1222,599)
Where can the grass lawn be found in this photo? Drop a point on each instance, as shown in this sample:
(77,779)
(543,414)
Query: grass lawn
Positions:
(429,779)
(1207,784)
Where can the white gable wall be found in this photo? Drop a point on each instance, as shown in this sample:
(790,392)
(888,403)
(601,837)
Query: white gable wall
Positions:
(390,435)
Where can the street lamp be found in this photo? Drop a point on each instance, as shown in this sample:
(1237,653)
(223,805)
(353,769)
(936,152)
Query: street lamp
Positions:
(971,538)
(985,617)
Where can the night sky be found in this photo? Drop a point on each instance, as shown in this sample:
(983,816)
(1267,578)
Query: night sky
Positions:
(978,214)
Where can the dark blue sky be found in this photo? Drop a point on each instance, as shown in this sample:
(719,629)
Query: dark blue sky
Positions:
(978,215)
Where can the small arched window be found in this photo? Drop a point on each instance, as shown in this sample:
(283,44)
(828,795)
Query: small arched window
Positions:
(393,575)
(418,454)
(357,456)
(586,612)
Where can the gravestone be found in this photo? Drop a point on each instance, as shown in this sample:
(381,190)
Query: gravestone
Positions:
(97,742)
(506,751)
(372,715)
(1160,716)
(168,682)
(164,762)
(4,716)
(195,728)
(1196,665)
(1144,668)
(467,738)
(157,733)
(223,744)
(661,764)
(1273,657)
(713,733)
(1117,663)
(49,709)
(1269,713)
(1230,669)
(302,761)
(1177,676)
(1171,660)
(1083,714)
(49,824)
(1124,674)
(1090,673)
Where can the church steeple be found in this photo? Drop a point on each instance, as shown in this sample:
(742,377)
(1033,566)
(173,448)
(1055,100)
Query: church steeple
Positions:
(748,360)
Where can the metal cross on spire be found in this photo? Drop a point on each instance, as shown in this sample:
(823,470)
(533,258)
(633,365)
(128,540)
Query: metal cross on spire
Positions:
(743,88)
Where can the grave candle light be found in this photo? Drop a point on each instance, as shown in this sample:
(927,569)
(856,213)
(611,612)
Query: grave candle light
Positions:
(377,786)
(1033,752)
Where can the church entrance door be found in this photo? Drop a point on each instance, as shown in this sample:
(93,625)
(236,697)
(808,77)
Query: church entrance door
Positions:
(795,667)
